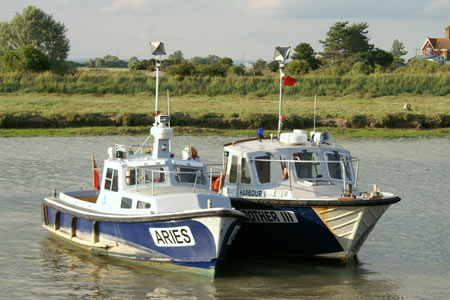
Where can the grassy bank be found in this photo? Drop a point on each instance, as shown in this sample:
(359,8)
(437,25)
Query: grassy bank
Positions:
(133,83)
(144,131)
(27,110)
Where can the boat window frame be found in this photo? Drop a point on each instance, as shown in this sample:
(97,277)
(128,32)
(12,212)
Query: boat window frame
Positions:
(233,174)
(143,205)
(318,161)
(348,165)
(111,182)
(201,180)
(254,159)
(245,162)
(126,203)
(132,180)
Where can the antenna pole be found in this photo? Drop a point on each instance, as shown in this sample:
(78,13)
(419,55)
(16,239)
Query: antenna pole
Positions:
(281,99)
(158,64)
(168,105)
(315,112)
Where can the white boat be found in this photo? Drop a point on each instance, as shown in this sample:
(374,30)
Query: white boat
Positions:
(151,207)
(299,193)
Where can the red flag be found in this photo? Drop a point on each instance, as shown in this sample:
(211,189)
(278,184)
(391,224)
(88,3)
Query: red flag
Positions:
(95,174)
(289,81)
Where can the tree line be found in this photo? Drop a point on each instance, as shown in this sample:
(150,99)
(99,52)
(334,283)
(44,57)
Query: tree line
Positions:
(34,42)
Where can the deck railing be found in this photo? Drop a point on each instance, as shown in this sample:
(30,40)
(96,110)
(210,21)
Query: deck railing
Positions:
(343,163)
(146,176)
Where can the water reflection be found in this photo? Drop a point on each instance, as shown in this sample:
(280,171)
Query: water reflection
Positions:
(77,273)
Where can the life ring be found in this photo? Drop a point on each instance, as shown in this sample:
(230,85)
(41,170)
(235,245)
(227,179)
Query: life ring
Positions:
(216,185)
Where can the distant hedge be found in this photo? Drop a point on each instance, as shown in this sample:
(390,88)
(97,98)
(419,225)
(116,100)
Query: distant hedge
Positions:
(375,85)
(211,120)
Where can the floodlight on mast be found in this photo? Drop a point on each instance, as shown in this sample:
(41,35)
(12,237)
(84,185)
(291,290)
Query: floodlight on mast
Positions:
(280,55)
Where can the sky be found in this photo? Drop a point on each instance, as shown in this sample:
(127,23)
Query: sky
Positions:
(239,29)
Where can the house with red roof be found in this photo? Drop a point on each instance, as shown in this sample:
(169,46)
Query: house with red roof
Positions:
(437,49)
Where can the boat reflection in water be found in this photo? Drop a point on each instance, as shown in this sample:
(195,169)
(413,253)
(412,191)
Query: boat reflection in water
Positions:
(81,275)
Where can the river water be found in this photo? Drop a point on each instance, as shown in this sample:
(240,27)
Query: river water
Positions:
(407,256)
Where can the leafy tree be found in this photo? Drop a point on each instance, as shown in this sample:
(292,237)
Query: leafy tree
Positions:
(90,63)
(132,62)
(25,59)
(273,66)
(210,59)
(236,70)
(213,70)
(361,68)
(99,62)
(226,62)
(345,40)
(377,57)
(176,55)
(184,68)
(304,51)
(260,64)
(146,64)
(35,27)
(398,50)
(298,67)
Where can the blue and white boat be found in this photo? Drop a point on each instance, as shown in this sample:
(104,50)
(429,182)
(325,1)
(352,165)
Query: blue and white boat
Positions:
(300,196)
(151,206)
(299,192)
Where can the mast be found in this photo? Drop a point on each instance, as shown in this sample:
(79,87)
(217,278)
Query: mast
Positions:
(161,130)
(280,55)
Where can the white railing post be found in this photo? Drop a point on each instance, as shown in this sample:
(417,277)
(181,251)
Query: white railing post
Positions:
(153,184)
(195,182)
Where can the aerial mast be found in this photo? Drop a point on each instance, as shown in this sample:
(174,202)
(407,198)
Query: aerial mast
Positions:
(157,50)
(280,55)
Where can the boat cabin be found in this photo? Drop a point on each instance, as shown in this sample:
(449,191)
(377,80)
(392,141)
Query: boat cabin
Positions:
(290,168)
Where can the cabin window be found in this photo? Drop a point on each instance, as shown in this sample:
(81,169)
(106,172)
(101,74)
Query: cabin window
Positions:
(335,167)
(245,172)
(111,180)
(144,175)
(142,205)
(233,169)
(271,168)
(429,51)
(307,169)
(126,202)
(188,175)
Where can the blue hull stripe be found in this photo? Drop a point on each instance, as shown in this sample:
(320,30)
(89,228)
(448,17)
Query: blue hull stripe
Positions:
(137,235)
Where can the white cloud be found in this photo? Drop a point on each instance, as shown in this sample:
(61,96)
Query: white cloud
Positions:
(265,6)
(127,6)
(437,6)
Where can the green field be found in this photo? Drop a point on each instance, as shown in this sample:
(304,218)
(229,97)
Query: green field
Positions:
(102,102)
(85,110)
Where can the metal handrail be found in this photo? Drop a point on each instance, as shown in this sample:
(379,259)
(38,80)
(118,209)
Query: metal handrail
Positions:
(141,180)
(341,162)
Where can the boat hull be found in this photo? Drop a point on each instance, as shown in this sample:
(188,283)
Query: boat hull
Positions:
(195,242)
(331,229)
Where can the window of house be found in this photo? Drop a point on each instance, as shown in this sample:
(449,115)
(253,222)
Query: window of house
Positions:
(111,180)
(335,166)
(305,169)
(271,168)
(245,172)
